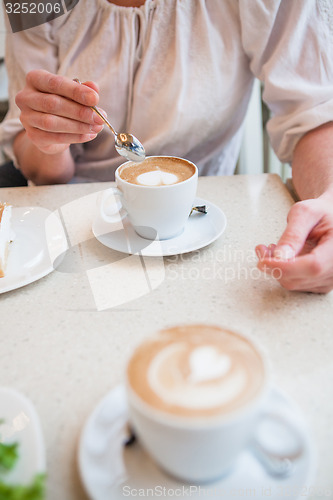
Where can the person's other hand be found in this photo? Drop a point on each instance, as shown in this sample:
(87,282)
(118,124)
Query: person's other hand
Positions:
(303,258)
(55,111)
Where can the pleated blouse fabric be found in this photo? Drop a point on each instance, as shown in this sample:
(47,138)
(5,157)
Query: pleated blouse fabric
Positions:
(178,74)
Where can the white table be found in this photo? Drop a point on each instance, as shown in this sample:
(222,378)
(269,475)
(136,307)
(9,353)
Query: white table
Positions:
(65,355)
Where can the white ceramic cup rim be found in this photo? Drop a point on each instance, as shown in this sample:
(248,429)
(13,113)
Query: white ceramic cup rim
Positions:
(202,422)
(168,186)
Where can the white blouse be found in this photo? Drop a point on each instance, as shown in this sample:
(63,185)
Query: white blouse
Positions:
(178,74)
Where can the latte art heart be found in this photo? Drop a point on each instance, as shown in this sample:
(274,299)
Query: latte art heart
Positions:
(207,364)
(157,178)
(196,371)
(202,380)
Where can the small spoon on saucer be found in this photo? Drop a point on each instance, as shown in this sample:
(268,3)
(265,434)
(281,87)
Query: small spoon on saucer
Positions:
(127,145)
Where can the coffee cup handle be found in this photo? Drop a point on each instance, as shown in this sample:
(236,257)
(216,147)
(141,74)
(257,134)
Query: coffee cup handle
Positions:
(277,462)
(110,209)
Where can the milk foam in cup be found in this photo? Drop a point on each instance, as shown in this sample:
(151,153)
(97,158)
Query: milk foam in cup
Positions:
(195,396)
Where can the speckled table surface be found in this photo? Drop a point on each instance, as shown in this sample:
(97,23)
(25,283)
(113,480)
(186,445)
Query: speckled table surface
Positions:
(65,354)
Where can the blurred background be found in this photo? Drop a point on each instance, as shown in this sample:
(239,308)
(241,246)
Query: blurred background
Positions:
(256,155)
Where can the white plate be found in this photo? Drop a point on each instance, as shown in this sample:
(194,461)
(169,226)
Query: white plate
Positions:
(111,471)
(21,425)
(200,231)
(39,240)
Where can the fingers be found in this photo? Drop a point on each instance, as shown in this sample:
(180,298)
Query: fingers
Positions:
(302,218)
(67,102)
(309,272)
(303,258)
(55,110)
(46,140)
(312,266)
(57,105)
(46,82)
(92,85)
(53,123)
(263,251)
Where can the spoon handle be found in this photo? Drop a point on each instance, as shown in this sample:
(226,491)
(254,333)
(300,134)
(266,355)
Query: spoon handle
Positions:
(104,119)
(99,113)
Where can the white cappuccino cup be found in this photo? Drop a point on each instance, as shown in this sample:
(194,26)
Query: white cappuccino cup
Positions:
(156,195)
(196,394)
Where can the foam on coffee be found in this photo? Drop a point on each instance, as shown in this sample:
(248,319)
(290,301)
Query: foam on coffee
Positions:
(196,370)
(157,171)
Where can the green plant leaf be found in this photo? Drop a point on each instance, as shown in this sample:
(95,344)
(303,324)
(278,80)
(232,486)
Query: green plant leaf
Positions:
(8,456)
(33,491)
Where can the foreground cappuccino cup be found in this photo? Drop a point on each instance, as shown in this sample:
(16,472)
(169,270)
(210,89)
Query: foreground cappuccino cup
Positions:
(195,396)
(156,195)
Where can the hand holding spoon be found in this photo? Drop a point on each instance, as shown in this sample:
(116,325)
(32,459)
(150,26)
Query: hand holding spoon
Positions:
(126,144)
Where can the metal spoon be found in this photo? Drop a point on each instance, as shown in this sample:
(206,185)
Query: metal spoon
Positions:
(127,145)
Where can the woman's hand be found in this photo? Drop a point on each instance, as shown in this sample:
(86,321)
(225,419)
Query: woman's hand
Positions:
(55,111)
(303,258)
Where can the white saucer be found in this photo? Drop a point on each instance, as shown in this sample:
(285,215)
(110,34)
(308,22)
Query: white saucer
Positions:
(21,425)
(39,239)
(200,231)
(111,471)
